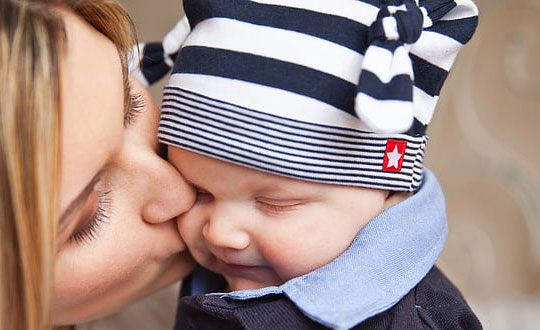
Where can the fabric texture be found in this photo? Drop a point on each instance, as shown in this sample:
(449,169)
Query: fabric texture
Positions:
(339,92)
(433,304)
(151,61)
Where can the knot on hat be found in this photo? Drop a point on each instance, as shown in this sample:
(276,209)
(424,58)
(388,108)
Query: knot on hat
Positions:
(403,23)
(149,62)
(384,100)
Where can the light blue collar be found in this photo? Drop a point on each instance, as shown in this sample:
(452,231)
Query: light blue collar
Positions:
(384,262)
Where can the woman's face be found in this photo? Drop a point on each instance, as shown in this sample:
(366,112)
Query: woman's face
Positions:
(117,238)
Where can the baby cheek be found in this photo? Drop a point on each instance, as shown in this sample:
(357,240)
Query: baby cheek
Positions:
(295,255)
(289,257)
(190,226)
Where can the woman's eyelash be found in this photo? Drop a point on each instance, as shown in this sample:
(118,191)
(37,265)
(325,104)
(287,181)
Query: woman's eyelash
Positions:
(101,215)
(135,107)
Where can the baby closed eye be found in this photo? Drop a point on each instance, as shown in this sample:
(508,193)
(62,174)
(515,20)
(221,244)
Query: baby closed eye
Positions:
(278,206)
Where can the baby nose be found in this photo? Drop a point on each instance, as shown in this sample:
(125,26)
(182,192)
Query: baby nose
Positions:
(225,234)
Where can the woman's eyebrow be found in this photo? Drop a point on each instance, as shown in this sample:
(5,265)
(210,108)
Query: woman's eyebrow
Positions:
(76,204)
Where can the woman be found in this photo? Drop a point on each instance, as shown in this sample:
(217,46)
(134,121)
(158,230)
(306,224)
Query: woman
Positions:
(87,204)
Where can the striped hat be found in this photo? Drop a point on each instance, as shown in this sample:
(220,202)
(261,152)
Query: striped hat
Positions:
(332,91)
(149,62)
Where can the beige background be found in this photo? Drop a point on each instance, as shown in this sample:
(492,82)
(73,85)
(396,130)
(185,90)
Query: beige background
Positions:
(484,149)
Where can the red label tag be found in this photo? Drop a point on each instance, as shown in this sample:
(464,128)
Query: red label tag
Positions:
(393,158)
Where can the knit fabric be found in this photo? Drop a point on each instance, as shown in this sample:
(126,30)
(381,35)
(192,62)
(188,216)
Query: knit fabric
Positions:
(338,92)
(151,61)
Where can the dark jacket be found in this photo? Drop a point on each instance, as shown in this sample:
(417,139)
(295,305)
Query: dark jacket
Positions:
(435,303)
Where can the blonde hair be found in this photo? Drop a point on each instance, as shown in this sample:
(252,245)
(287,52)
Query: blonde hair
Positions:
(31,49)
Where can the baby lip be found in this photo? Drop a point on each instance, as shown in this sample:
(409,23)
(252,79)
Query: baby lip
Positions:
(230,263)
(242,270)
(228,258)
(239,265)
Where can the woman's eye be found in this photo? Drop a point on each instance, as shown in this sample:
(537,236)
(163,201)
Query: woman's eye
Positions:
(91,222)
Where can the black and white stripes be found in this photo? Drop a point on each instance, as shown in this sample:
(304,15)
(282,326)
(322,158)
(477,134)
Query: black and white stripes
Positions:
(314,89)
(280,145)
(385,99)
(150,62)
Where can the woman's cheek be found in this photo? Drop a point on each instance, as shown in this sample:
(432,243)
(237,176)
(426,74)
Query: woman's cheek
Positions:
(86,271)
(112,258)
(89,285)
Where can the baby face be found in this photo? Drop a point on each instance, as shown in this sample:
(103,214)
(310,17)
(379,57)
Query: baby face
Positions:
(258,229)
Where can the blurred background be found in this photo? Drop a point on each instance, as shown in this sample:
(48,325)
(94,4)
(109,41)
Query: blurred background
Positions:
(484,148)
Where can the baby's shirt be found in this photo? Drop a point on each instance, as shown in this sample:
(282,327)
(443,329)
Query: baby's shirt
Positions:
(387,259)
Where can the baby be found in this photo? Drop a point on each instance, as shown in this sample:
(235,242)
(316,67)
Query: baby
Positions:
(301,124)
(259,229)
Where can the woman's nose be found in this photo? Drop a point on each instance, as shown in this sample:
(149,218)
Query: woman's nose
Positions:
(168,195)
(224,231)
